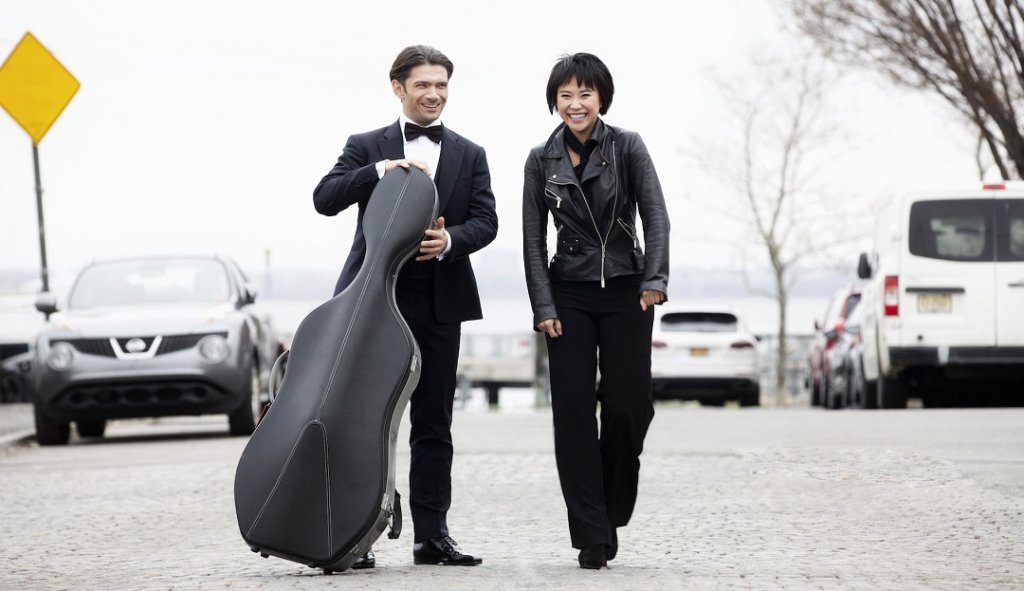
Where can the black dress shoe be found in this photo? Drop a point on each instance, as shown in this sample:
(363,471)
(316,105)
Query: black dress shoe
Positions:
(614,548)
(442,551)
(367,560)
(593,556)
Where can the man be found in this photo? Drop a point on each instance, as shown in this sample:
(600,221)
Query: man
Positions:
(437,291)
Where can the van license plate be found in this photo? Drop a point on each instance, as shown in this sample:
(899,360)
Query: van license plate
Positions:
(934,303)
(698,352)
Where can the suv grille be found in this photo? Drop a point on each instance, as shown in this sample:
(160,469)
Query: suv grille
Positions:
(169,344)
(99,347)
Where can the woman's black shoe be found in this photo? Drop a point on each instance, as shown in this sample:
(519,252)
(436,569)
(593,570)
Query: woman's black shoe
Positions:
(593,556)
(614,548)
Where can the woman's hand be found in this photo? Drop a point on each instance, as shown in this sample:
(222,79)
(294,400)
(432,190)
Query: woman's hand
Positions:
(650,297)
(551,326)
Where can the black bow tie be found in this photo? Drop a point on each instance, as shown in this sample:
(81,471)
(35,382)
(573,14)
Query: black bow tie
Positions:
(413,131)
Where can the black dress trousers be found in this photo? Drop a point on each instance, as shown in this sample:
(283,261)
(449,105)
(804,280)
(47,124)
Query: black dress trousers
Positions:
(430,406)
(598,467)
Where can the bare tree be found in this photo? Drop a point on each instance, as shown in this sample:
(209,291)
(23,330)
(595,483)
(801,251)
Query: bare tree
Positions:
(971,53)
(784,146)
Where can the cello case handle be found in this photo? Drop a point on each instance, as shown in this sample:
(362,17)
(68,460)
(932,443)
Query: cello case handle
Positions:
(396,518)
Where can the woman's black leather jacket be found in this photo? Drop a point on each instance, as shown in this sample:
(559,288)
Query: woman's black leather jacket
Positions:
(597,240)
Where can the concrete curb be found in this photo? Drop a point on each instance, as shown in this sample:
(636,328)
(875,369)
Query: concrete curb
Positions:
(16,438)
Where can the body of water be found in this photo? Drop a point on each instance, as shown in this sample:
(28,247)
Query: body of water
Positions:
(503,316)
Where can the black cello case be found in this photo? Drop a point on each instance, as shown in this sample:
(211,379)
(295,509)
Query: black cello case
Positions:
(315,483)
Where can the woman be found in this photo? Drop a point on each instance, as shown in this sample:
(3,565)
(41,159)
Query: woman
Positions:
(595,300)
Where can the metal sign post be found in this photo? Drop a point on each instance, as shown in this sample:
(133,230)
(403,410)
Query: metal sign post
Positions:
(42,227)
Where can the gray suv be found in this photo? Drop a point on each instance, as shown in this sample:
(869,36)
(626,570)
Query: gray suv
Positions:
(151,337)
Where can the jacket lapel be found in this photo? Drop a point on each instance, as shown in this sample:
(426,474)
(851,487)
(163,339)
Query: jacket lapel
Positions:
(392,143)
(448,167)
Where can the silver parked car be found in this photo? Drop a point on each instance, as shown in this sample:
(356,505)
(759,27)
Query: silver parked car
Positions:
(151,337)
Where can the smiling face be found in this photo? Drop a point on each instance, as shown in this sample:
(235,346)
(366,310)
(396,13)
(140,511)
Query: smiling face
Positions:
(579,106)
(423,94)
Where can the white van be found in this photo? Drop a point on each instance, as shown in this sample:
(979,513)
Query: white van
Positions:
(945,300)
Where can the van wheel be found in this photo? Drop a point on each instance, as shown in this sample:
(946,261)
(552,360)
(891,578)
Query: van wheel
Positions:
(891,393)
(869,395)
(50,432)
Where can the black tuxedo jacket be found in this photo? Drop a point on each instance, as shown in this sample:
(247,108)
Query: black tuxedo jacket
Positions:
(464,197)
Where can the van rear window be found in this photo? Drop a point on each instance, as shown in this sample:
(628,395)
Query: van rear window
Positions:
(1011,226)
(955,230)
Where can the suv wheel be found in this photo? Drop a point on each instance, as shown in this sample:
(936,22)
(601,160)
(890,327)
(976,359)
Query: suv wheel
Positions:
(50,432)
(751,398)
(242,421)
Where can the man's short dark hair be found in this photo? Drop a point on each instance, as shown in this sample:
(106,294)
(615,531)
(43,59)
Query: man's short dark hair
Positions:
(588,71)
(418,55)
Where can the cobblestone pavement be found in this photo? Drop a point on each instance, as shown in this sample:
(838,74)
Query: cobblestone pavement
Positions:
(729,499)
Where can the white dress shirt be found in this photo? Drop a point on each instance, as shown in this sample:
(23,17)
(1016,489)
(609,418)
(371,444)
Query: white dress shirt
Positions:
(425,150)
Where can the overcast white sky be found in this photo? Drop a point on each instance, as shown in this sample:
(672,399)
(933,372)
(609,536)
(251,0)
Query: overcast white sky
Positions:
(205,125)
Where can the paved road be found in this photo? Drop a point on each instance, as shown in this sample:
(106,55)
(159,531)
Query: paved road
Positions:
(730,499)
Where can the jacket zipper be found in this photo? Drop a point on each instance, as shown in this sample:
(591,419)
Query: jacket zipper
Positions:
(636,243)
(597,230)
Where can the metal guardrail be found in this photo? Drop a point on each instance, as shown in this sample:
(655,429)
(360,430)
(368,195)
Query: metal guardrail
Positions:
(497,360)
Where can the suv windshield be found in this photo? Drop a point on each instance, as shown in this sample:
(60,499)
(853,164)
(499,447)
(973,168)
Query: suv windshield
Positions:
(699,322)
(158,281)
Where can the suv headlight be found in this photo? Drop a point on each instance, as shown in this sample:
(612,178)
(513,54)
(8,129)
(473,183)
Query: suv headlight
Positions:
(214,348)
(61,356)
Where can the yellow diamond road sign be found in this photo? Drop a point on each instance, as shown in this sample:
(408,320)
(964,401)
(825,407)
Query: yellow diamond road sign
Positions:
(35,87)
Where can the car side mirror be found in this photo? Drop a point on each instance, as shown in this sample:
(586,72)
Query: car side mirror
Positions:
(46,303)
(864,266)
(817,325)
(250,294)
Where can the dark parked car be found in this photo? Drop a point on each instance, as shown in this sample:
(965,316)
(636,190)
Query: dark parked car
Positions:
(151,337)
(844,384)
(826,331)
(15,383)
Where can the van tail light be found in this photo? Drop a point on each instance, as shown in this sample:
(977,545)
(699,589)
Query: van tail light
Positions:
(994,187)
(892,295)
(659,345)
(742,345)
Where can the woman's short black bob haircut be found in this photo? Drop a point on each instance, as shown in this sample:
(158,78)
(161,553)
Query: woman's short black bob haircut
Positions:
(589,71)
